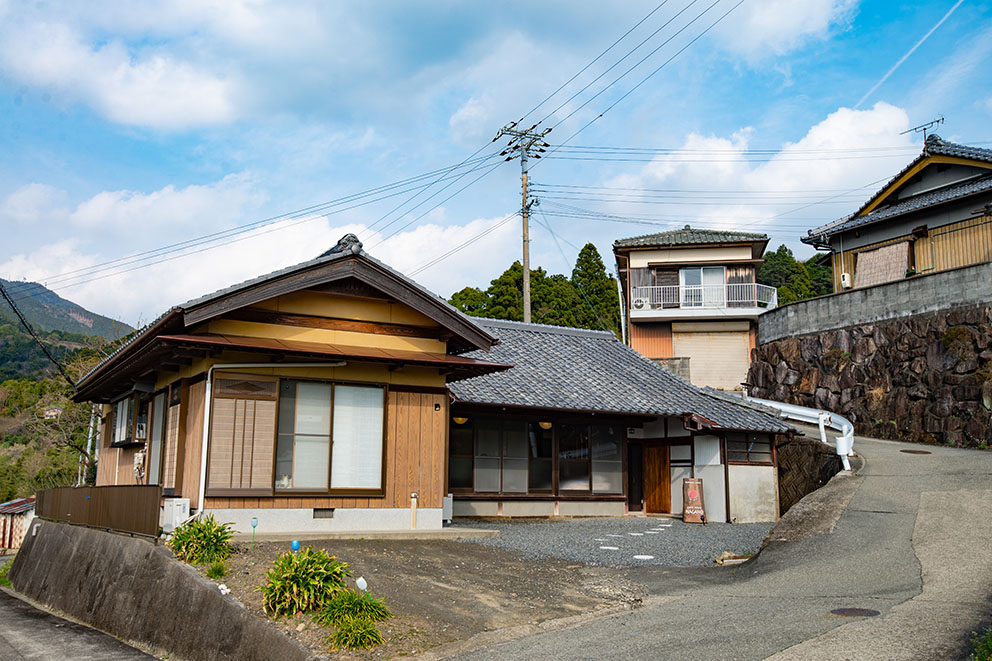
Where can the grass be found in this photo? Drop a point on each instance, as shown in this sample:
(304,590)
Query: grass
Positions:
(202,541)
(302,582)
(356,633)
(350,605)
(217,569)
(4,581)
(982,646)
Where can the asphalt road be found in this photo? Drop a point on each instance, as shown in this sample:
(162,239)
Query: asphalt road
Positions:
(910,540)
(29,633)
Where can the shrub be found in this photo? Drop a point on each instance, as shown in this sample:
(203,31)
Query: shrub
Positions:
(202,540)
(349,604)
(302,582)
(217,569)
(982,646)
(4,581)
(357,634)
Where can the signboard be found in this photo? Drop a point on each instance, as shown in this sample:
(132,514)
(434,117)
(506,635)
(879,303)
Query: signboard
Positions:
(692,500)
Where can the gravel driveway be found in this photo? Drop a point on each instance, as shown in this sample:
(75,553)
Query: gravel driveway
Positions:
(622,542)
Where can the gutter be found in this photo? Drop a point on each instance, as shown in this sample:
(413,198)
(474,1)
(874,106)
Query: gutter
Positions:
(206,414)
(844,443)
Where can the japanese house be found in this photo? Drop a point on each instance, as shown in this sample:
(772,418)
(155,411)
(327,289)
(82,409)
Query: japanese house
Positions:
(582,425)
(934,215)
(691,301)
(312,398)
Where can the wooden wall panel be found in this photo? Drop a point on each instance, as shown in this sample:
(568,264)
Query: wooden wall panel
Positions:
(242,435)
(106,467)
(652,340)
(171,448)
(193,443)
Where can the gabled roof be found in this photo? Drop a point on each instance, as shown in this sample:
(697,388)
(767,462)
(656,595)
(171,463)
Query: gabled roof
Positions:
(688,236)
(345,262)
(579,370)
(934,148)
(17,506)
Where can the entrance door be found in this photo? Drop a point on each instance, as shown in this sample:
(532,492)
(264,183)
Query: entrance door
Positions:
(657,480)
(635,477)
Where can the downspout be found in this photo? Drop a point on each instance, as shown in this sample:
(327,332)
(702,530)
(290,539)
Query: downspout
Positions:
(206,413)
(89,446)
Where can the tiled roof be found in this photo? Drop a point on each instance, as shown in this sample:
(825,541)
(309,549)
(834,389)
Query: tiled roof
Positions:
(584,370)
(934,146)
(688,236)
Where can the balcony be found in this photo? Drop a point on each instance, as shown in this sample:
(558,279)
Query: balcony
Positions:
(746,300)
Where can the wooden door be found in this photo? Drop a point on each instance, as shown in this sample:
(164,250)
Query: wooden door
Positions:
(657,480)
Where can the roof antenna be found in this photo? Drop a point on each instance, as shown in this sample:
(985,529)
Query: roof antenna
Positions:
(923,128)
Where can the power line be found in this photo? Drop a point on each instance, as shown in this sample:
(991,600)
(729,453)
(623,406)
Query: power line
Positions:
(27,327)
(462,246)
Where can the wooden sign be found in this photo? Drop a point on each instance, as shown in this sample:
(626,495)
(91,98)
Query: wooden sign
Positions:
(692,500)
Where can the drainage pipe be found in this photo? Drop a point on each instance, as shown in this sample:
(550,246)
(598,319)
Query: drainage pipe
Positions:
(206,412)
(844,443)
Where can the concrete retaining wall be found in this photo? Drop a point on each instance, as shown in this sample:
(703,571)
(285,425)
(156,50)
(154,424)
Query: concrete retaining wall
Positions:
(912,296)
(138,592)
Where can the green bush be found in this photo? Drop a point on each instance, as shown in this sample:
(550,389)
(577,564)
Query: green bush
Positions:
(349,604)
(302,582)
(4,581)
(202,541)
(982,644)
(357,634)
(217,569)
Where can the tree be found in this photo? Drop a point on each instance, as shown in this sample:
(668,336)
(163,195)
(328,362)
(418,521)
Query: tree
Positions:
(471,300)
(794,280)
(597,289)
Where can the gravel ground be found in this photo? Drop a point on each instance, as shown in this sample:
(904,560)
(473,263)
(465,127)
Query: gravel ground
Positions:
(622,542)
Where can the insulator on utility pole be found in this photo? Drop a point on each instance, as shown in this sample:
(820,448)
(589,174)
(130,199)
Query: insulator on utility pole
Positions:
(524,143)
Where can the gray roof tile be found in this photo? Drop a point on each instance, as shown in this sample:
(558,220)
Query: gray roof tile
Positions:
(584,370)
(687,236)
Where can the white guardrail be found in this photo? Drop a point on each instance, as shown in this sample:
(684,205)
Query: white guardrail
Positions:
(843,443)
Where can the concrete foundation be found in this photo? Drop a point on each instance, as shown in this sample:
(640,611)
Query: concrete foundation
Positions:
(277,521)
(753,494)
(591,508)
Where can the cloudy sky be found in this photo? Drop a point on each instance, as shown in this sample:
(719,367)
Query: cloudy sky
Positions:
(153,152)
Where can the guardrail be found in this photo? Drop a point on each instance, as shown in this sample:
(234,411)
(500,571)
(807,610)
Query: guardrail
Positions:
(844,443)
(747,295)
(131,509)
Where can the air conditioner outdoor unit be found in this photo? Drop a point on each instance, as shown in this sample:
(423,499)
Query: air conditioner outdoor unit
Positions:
(845,280)
(639,303)
(174,512)
(447,508)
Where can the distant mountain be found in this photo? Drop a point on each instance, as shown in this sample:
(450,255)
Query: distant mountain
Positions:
(46,311)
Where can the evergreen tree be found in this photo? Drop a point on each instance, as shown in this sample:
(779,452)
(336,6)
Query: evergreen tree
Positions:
(601,305)
(794,280)
(471,300)
(505,294)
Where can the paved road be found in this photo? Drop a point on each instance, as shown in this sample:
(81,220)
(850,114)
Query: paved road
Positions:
(912,543)
(28,633)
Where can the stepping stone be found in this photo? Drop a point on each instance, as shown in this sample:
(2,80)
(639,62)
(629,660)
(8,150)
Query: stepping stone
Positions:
(598,540)
(610,548)
(635,534)
(614,535)
(651,532)
(643,557)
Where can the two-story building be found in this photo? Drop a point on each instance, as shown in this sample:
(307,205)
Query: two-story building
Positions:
(934,215)
(691,300)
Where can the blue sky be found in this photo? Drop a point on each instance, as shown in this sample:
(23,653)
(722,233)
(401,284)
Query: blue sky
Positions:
(128,127)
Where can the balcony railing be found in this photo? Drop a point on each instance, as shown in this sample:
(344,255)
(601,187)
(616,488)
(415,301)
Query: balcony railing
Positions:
(747,295)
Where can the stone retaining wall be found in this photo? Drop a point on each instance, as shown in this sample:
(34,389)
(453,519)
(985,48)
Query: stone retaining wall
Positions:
(804,465)
(925,377)
(138,592)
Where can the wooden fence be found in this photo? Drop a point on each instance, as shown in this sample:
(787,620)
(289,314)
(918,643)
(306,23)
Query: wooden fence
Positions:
(132,509)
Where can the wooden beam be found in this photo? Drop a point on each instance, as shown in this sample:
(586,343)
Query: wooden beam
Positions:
(334,323)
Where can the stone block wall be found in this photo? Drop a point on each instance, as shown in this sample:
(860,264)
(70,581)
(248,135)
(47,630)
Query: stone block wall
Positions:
(804,465)
(924,377)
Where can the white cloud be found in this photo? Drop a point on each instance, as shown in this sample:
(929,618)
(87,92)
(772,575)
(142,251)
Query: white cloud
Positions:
(33,203)
(152,89)
(203,207)
(137,295)
(760,28)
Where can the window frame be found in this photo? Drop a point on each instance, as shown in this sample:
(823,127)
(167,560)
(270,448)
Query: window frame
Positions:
(379,492)
(728,438)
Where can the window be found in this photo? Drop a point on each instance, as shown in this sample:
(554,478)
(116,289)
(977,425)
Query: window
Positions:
(122,421)
(330,436)
(703,287)
(749,449)
(590,458)
(541,447)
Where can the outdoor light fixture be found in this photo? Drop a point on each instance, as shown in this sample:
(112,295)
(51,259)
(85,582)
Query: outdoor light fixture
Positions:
(295,546)
(544,425)
(254,524)
(460,421)
(362,584)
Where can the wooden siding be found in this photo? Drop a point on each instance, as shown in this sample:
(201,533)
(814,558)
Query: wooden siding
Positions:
(242,439)
(949,246)
(652,340)
(171,448)
(416,451)
(106,468)
(193,443)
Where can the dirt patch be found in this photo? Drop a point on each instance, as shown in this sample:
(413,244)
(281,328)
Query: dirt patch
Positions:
(439,591)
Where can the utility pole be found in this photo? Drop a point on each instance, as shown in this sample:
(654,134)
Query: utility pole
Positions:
(524,143)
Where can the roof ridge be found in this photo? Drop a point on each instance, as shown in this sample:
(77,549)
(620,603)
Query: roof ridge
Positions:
(542,328)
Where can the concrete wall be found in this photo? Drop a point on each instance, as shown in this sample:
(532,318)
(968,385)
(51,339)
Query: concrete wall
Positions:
(753,493)
(301,520)
(136,591)
(917,295)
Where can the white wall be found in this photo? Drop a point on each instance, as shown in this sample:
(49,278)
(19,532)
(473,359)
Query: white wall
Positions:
(710,470)
(345,519)
(753,493)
